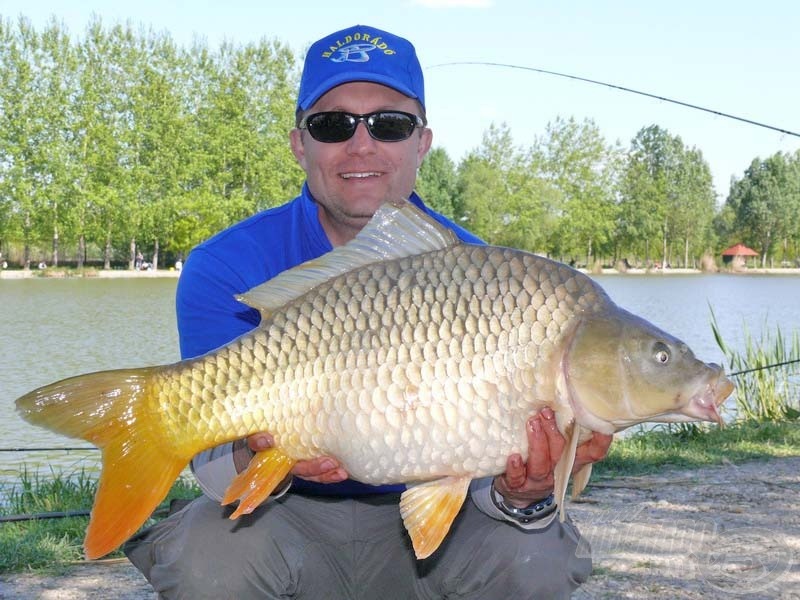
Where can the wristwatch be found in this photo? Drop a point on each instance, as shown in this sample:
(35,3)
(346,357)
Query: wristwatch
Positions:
(533,512)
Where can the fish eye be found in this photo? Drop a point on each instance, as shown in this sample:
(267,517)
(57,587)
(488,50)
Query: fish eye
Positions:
(661,353)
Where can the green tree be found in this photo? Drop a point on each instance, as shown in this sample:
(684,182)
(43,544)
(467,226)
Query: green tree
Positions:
(501,199)
(643,206)
(8,52)
(791,241)
(24,144)
(725,226)
(765,201)
(579,163)
(481,190)
(158,139)
(693,205)
(57,77)
(101,127)
(437,182)
(667,196)
(124,140)
(240,158)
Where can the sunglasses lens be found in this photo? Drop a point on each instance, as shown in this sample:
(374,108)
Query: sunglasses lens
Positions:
(391,126)
(384,126)
(330,127)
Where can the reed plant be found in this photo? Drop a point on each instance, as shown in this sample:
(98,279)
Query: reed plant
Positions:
(766,373)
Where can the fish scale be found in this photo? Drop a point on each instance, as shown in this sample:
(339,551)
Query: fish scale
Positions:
(462,315)
(406,355)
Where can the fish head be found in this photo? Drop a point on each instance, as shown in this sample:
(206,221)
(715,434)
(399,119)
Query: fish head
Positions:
(620,370)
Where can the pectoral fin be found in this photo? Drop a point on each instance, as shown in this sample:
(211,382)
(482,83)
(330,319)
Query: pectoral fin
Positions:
(580,480)
(428,511)
(564,466)
(254,485)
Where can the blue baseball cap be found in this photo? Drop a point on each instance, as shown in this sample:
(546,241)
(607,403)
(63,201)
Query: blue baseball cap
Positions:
(360,53)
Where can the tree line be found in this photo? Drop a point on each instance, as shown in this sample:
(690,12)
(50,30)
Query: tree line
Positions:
(574,196)
(122,141)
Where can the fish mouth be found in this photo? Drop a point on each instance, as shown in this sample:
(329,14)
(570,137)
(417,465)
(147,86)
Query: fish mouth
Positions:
(705,404)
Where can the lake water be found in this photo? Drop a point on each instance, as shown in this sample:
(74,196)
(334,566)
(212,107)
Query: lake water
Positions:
(56,328)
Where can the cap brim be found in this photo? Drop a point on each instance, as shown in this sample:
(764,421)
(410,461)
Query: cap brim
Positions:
(341,78)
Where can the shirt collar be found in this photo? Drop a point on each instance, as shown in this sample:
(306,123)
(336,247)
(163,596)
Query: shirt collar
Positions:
(311,211)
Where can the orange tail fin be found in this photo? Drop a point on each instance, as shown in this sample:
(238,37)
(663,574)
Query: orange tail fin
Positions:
(109,409)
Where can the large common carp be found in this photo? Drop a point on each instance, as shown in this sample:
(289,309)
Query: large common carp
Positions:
(407,355)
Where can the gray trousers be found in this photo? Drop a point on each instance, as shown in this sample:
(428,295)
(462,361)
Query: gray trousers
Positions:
(351,549)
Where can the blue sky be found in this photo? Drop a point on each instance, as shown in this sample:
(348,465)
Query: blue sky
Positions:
(735,57)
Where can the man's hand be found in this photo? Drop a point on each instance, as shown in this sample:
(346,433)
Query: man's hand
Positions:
(526,482)
(322,469)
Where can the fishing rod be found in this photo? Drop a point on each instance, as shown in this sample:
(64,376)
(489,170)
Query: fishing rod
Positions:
(46,515)
(159,512)
(622,88)
(46,449)
(772,366)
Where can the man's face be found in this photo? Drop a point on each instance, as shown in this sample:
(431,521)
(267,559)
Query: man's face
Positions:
(351,179)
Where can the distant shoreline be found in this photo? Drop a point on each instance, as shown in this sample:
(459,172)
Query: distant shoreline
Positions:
(745,271)
(86,274)
(125,273)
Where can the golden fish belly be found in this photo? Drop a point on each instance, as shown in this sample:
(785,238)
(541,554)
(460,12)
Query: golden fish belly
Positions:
(404,370)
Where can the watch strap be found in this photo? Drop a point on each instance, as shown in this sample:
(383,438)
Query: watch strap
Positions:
(533,512)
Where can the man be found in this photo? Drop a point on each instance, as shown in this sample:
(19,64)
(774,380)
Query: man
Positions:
(361,136)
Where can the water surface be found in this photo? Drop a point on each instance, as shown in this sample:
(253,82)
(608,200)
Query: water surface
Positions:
(55,328)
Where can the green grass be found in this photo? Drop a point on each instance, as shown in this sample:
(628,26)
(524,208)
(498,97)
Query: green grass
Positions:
(51,544)
(686,446)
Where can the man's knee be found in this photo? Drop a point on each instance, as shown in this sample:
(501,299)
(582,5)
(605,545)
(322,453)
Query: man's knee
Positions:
(193,554)
(497,560)
(539,564)
(555,565)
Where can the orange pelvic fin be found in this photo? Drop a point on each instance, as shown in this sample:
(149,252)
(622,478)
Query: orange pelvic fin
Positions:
(428,511)
(109,409)
(254,485)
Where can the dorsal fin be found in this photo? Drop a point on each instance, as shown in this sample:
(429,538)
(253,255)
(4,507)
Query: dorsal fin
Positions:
(398,229)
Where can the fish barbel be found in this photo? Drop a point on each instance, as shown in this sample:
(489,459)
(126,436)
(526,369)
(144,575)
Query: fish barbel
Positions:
(406,354)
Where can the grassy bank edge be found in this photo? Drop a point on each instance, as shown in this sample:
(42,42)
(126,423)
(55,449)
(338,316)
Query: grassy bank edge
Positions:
(51,545)
(693,445)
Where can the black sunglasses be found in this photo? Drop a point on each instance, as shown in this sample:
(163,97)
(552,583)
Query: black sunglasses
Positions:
(382,125)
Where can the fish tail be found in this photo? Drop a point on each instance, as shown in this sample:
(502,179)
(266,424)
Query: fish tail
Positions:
(110,410)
